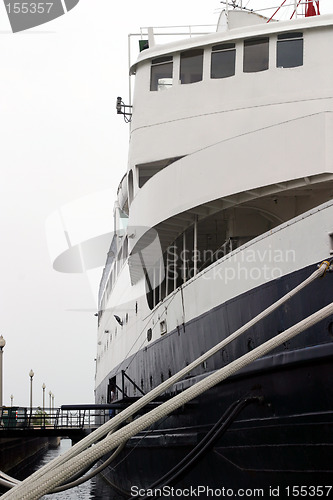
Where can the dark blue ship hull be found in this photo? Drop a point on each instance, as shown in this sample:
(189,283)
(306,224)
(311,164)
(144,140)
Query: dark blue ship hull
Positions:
(281,439)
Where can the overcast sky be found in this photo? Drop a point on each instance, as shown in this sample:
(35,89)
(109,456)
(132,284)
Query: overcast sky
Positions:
(62,143)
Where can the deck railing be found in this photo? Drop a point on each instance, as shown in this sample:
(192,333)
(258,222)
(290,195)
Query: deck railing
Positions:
(71,417)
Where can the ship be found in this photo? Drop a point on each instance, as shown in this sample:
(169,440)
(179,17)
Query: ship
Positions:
(226,206)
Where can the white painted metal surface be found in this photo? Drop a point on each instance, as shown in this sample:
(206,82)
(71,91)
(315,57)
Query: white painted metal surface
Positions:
(259,141)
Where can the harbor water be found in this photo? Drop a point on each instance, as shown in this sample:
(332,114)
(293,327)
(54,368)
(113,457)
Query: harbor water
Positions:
(91,490)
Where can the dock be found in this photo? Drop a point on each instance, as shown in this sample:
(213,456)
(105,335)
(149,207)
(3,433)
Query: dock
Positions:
(72,421)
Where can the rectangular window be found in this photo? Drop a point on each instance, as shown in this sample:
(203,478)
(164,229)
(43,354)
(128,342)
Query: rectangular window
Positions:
(191,64)
(161,73)
(289,52)
(223,60)
(255,55)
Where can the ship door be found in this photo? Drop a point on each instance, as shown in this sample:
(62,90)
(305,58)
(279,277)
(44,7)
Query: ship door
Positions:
(112,392)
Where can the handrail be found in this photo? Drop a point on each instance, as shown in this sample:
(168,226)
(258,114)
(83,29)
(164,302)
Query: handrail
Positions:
(65,417)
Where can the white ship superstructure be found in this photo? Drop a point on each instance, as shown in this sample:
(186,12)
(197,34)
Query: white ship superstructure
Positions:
(227,202)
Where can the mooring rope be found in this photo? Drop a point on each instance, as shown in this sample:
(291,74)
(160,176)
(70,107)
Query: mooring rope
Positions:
(76,459)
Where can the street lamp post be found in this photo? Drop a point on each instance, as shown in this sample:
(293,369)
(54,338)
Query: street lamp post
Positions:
(52,402)
(31,375)
(2,345)
(11,399)
(43,387)
(50,394)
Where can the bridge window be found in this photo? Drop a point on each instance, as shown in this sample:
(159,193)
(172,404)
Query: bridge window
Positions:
(255,55)
(161,73)
(223,60)
(289,50)
(191,64)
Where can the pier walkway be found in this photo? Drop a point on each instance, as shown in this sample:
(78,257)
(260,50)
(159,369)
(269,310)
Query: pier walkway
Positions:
(74,421)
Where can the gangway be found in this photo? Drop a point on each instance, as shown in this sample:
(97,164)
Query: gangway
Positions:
(73,421)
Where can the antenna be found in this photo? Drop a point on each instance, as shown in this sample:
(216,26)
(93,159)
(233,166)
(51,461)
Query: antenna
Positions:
(234,5)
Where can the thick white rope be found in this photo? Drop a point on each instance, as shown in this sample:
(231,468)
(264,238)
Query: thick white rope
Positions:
(153,394)
(35,490)
(92,473)
(118,419)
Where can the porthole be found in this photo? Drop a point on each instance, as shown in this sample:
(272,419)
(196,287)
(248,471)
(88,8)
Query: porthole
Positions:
(225,356)
(330,328)
(163,327)
(250,344)
(149,334)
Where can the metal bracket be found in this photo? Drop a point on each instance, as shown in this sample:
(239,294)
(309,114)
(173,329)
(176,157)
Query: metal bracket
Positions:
(121,110)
